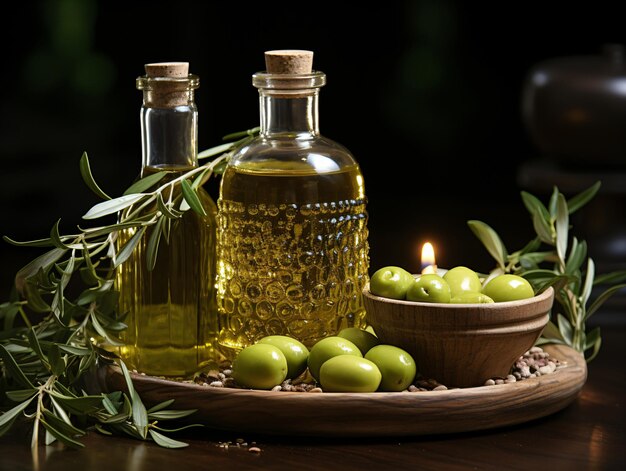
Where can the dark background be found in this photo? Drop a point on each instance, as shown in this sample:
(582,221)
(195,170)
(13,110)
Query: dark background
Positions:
(426,94)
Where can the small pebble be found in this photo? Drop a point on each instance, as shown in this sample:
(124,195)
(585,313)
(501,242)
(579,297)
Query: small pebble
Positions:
(535,350)
(277,388)
(254,449)
(413,388)
(441,387)
(316,390)
(545,370)
(217,384)
(499,381)
(490,382)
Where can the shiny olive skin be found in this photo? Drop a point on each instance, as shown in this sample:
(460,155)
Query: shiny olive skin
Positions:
(462,279)
(260,366)
(348,373)
(396,366)
(328,348)
(471,297)
(429,288)
(361,338)
(504,288)
(391,282)
(295,353)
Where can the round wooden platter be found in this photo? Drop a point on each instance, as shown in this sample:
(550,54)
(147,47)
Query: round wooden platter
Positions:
(366,414)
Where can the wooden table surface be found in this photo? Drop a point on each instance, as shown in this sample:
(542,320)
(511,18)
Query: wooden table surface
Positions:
(589,434)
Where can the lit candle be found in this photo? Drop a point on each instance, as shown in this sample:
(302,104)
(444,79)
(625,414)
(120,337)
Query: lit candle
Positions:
(429,264)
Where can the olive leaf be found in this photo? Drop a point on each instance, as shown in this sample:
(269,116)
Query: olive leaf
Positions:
(490,240)
(54,348)
(556,267)
(85,171)
(145,183)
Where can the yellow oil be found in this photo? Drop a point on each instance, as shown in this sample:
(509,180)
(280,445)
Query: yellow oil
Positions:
(292,253)
(172,316)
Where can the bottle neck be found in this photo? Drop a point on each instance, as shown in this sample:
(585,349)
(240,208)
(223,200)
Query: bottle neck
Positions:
(169,123)
(289,115)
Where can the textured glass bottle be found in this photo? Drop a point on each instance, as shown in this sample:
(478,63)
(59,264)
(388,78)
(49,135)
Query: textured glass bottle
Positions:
(172,317)
(292,222)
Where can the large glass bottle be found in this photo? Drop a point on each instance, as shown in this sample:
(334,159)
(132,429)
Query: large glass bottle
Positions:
(172,316)
(292,221)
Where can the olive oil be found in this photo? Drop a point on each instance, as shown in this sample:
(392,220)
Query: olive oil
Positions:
(171,309)
(172,321)
(292,222)
(293,252)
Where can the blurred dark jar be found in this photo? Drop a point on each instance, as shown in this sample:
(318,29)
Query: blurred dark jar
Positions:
(574,109)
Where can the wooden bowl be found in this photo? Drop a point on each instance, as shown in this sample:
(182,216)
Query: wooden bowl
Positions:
(460,345)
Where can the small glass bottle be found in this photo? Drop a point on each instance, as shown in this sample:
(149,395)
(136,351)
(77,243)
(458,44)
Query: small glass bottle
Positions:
(292,221)
(172,316)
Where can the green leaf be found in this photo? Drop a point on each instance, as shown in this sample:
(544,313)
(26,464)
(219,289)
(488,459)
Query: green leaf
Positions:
(152,249)
(85,171)
(614,277)
(102,430)
(13,369)
(35,301)
(551,331)
(103,333)
(242,134)
(127,249)
(81,405)
(205,154)
(566,329)
(140,415)
(63,438)
(594,341)
(113,206)
(543,230)
(562,227)
(166,210)
(583,198)
(55,236)
(61,425)
(171,414)
(34,344)
(535,206)
(590,275)
(57,363)
(602,298)
(145,183)
(32,268)
(490,240)
(191,197)
(166,442)
(29,243)
(7,419)
(577,255)
(531,246)
(172,430)
(80,351)
(161,406)
(19,395)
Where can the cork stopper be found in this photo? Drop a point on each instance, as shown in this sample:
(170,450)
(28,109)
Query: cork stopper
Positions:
(289,61)
(167,84)
(167,69)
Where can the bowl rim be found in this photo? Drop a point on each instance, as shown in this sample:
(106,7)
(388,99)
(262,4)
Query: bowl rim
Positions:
(543,296)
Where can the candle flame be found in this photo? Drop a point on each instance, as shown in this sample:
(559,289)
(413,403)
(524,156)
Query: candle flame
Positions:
(429,264)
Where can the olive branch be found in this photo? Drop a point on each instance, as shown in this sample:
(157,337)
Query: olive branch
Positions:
(553,259)
(50,340)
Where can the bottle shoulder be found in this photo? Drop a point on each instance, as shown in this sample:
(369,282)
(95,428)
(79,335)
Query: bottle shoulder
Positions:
(319,154)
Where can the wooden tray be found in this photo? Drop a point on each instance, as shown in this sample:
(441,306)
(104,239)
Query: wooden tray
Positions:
(366,414)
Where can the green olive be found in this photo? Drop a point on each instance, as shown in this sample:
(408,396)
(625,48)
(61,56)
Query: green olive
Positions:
(396,366)
(260,366)
(362,339)
(508,288)
(429,288)
(295,353)
(348,373)
(462,279)
(471,297)
(391,282)
(327,348)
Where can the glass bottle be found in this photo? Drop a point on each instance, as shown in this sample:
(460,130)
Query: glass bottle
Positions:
(292,221)
(172,316)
